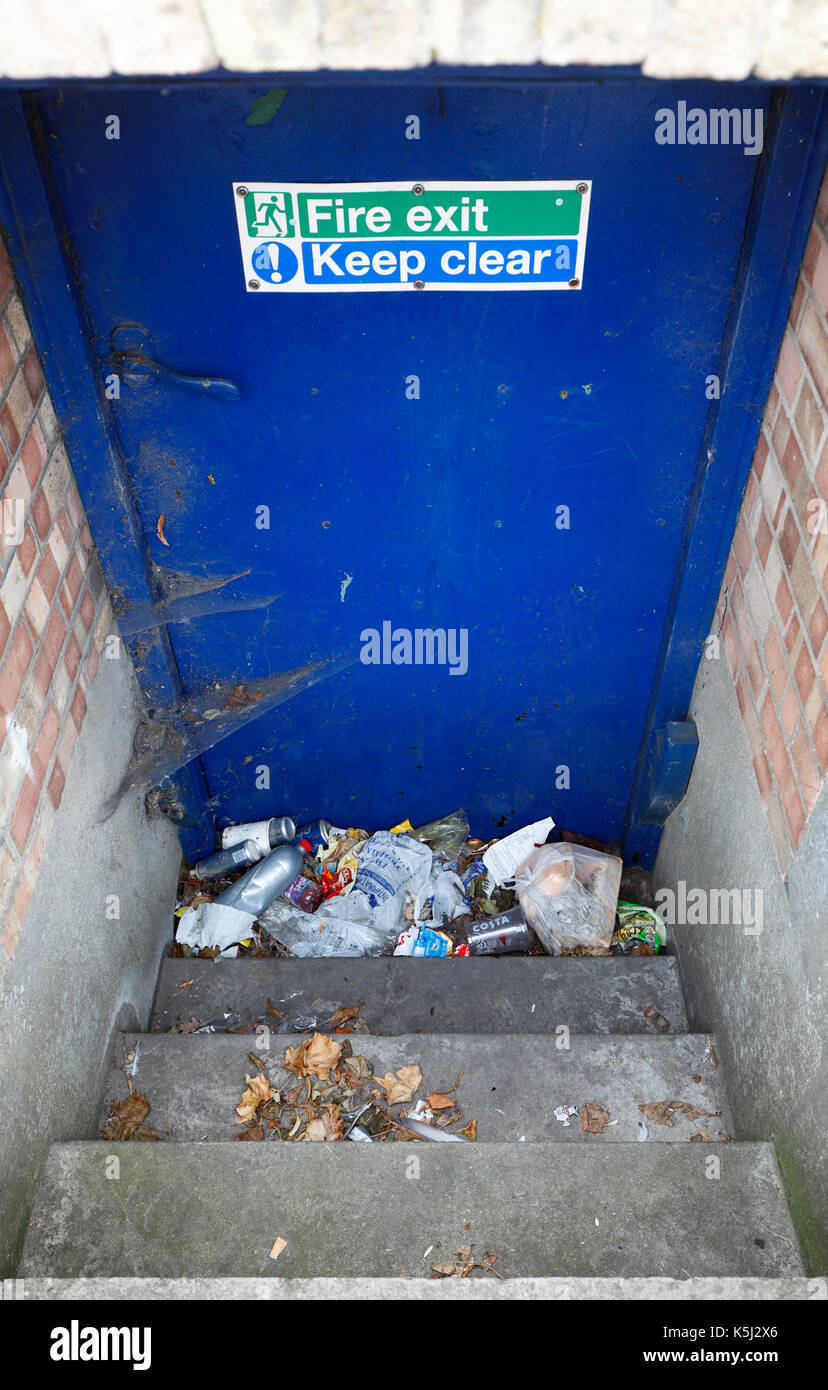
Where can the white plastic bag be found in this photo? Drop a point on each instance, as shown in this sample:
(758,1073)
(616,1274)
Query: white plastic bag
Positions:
(344,927)
(569,894)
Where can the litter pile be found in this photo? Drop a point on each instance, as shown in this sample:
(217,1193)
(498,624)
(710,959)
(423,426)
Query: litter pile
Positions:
(273,889)
(334,1094)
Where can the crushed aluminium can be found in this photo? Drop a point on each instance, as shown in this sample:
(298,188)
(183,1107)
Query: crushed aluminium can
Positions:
(501,935)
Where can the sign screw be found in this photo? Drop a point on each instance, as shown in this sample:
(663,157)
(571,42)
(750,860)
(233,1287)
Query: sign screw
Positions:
(573,284)
(254,284)
(419,284)
(582,188)
(241,192)
(418,190)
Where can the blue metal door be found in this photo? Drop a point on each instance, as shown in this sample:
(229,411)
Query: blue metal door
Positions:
(540,487)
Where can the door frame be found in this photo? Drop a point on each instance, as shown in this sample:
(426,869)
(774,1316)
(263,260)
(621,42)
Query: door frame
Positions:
(788,176)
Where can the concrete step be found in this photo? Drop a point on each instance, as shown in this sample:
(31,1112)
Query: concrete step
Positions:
(495,994)
(384,1210)
(510,1085)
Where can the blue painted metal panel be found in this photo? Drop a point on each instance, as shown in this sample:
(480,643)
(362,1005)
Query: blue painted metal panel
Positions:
(444,510)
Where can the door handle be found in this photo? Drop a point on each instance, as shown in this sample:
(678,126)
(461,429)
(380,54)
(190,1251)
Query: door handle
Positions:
(132,350)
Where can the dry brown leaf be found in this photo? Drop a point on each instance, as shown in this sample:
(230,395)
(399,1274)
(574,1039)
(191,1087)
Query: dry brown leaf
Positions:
(400,1088)
(329,1126)
(663,1112)
(437,1101)
(471,1129)
(344,1015)
(259,1090)
(127,1119)
(314,1057)
(159,530)
(256,1132)
(190,1026)
(358,1066)
(592,1118)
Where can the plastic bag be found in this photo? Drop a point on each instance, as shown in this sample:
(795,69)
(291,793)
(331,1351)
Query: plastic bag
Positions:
(389,867)
(351,929)
(568,894)
(445,836)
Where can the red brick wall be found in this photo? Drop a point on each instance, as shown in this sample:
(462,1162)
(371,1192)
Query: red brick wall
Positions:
(53,614)
(773,610)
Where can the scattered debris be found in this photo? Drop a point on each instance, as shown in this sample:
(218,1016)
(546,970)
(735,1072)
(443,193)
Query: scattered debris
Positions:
(593,1119)
(563,1113)
(278,1246)
(159,530)
(464,1262)
(126,1120)
(663,1112)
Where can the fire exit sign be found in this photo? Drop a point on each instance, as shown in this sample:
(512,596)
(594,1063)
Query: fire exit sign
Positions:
(403,236)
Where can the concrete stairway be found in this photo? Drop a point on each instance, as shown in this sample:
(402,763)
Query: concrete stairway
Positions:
(528,1033)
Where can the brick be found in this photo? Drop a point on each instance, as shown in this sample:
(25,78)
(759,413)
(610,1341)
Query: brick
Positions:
(758,603)
(57,782)
(770,408)
(44,744)
(794,811)
(808,774)
(48,574)
(6,276)
(74,578)
(818,626)
(8,358)
(41,515)
(771,485)
(784,600)
(813,341)
(33,375)
(781,432)
(797,305)
(75,505)
(811,253)
(18,323)
(760,454)
(10,432)
(67,744)
(788,369)
(19,403)
(65,527)
(749,498)
(763,777)
(789,538)
(13,671)
(809,423)
(87,609)
(37,608)
(27,551)
(776,662)
(789,712)
(72,656)
(804,583)
(819,277)
(731,644)
(79,708)
(66,601)
(24,811)
(821,740)
(792,464)
(770,724)
(5,631)
(92,664)
(763,538)
(49,652)
(742,548)
(804,674)
(17,915)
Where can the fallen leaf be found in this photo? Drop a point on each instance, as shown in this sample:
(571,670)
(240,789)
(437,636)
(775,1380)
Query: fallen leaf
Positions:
(663,1112)
(437,1101)
(344,1015)
(358,1066)
(271,1010)
(400,1088)
(190,1026)
(159,530)
(185,984)
(256,1132)
(592,1118)
(470,1130)
(259,1090)
(314,1057)
(278,1246)
(329,1126)
(127,1119)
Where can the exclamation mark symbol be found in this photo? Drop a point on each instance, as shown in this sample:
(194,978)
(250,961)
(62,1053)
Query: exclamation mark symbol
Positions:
(273,251)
